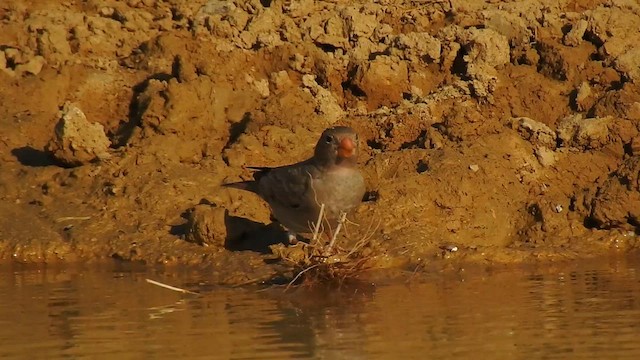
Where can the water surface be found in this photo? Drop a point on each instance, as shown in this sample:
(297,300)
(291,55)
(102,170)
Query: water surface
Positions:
(587,309)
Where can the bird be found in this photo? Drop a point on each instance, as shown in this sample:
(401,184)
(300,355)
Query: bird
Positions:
(320,189)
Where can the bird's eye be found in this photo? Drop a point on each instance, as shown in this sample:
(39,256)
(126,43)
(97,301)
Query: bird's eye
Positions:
(328,139)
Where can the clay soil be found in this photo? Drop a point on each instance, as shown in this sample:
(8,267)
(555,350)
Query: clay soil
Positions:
(491,131)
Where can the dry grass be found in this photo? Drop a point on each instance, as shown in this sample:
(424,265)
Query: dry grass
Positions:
(316,263)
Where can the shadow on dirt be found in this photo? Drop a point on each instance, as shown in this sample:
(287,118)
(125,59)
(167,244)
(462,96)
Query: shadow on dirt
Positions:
(29,156)
(137,107)
(208,225)
(257,239)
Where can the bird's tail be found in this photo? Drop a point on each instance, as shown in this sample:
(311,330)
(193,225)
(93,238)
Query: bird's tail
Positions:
(250,185)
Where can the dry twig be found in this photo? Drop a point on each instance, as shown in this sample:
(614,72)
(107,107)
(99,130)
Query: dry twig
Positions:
(157,283)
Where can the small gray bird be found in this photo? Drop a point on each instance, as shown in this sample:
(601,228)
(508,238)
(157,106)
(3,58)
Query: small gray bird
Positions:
(297,192)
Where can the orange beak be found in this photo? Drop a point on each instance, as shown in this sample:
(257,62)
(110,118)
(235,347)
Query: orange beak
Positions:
(346,148)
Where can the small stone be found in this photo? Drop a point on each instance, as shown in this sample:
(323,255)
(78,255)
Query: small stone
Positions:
(416,91)
(207,226)
(450,248)
(262,87)
(546,156)
(419,47)
(217,7)
(591,133)
(280,80)
(33,66)
(298,63)
(76,140)
(358,24)
(574,36)
(382,30)
(584,97)
(535,132)
(474,168)
(326,103)
(106,11)
(309,81)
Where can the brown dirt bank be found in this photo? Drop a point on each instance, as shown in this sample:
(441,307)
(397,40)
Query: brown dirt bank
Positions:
(508,129)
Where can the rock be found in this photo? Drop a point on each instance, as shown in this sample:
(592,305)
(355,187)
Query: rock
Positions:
(574,131)
(546,156)
(621,103)
(629,64)
(416,91)
(262,87)
(298,9)
(535,132)
(326,103)
(76,141)
(511,25)
(611,27)
(419,47)
(486,50)
(53,42)
(486,47)
(33,66)
(299,63)
(617,202)
(280,80)
(574,36)
(359,25)
(382,31)
(207,226)
(363,49)
(216,7)
(327,31)
(262,31)
(585,98)
(383,80)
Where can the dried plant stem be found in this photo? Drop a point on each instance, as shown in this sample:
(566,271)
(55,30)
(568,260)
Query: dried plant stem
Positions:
(68,218)
(343,217)
(171,287)
(300,274)
(316,228)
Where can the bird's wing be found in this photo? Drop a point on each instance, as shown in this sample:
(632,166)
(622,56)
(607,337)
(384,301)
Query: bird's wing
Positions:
(288,185)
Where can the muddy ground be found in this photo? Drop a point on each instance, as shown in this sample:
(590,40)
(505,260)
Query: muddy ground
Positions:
(496,131)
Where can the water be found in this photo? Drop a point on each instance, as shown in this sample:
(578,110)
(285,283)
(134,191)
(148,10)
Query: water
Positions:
(578,310)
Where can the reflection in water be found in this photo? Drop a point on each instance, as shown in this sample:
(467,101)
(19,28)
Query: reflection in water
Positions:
(585,310)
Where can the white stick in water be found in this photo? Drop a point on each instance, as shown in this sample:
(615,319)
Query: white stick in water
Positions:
(171,287)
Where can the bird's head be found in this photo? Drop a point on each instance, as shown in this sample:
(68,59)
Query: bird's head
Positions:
(337,146)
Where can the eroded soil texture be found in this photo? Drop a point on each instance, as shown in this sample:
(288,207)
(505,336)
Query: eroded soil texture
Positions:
(497,131)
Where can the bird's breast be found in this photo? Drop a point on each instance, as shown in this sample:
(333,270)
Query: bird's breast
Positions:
(339,189)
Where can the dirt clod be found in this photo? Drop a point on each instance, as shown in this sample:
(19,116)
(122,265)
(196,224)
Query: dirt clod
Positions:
(584,133)
(207,226)
(76,141)
(617,203)
(383,80)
